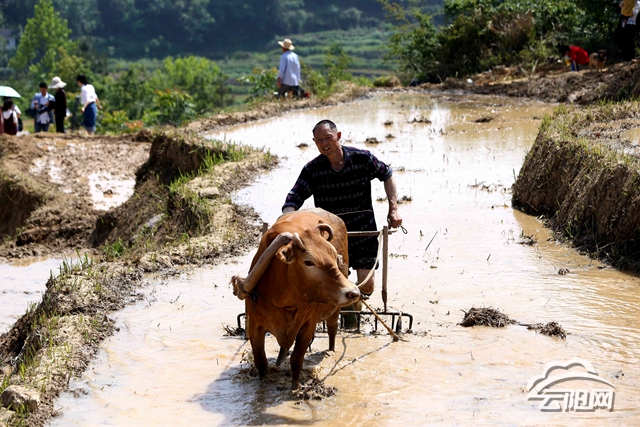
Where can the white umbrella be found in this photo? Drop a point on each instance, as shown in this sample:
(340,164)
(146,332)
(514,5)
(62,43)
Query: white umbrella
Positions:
(8,92)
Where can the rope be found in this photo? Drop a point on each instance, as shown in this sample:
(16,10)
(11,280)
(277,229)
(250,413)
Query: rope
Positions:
(374,267)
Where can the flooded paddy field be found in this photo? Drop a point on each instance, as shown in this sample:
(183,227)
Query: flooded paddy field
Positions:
(455,159)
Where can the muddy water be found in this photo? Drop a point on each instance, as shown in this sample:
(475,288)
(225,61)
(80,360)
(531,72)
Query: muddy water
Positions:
(171,364)
(22,283)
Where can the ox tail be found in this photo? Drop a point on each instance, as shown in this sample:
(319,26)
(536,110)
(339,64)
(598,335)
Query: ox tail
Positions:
(237,283)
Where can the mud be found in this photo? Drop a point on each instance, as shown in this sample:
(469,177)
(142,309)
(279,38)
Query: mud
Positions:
(554,83)
(46,186)
(582,175)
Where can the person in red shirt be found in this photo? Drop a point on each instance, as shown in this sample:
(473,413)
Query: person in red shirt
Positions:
(576,55)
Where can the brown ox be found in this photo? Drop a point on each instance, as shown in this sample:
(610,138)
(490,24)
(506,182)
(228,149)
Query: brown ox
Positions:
(297,278)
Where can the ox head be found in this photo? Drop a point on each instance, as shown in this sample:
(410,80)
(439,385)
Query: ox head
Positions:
(314,267)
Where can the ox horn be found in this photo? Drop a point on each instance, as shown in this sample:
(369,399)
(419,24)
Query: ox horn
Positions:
(297,241)
(264,261)
(328,229)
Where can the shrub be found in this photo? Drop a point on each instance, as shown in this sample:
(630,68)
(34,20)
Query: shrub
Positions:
(173,107)
(387,81)
(263,81)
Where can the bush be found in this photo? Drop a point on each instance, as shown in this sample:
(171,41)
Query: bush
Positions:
(484,33)
(387,81)
(172,107)
(263,81)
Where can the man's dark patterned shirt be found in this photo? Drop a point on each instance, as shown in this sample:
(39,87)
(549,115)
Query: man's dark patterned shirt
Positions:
(342,192)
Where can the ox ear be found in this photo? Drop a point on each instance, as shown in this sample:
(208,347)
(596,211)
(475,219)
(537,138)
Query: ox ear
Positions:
(286,254)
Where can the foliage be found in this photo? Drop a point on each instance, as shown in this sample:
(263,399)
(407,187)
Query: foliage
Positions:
(131,92)
(114,122)
(200,77)
(315,81)
(484,33)
(44,34)
(336,63)
(173,107)
(263,83)
(415,48)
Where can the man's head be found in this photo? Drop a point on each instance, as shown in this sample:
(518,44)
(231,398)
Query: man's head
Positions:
(326,137)
(563,48)
(286,45)
(43,88)
(82,80)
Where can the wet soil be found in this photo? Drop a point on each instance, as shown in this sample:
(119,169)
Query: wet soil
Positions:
(54,186)
(554,83)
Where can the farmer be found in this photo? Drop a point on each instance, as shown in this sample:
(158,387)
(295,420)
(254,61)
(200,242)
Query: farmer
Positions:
(289,71)
(339,180)
(576,55)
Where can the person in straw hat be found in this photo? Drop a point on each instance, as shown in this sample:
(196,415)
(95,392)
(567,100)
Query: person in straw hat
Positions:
(60,103)
(289,72)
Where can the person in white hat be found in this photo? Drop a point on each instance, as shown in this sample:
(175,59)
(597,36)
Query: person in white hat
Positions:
(289,72)
(60,103)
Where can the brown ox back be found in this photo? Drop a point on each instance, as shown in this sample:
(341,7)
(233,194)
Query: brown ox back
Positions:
(300,287)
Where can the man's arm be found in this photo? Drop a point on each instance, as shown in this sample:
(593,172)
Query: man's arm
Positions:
(393,218)
(300,192)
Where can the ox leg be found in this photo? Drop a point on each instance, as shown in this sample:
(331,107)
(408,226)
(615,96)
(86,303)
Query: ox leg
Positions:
(305,335)
(259,356)
(332,329)
(282,355)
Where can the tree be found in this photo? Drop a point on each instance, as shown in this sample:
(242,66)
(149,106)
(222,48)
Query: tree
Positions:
(44,34)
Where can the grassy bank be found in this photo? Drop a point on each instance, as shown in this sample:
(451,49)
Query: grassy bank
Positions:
(583,174)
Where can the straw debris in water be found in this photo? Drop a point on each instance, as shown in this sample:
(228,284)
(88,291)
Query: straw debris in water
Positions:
(552,329)
(485,317)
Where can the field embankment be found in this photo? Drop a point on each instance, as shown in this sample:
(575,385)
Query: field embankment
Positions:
(554,83)
(583,174)
(180,212)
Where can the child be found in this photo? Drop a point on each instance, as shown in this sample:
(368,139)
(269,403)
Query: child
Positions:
(576,55)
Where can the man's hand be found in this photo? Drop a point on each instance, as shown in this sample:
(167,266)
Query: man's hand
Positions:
(394,219)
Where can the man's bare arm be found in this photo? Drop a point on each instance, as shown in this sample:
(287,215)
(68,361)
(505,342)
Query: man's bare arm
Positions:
(393,218)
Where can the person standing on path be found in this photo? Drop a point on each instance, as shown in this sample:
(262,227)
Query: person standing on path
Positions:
(289,70)
(90,104)
(42,103)
(9,117)
(339,180)
(60,104)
